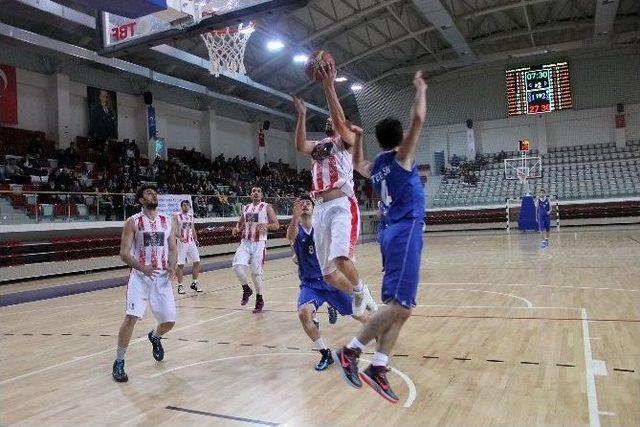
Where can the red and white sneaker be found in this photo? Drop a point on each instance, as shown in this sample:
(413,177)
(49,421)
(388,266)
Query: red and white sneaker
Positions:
(376,377)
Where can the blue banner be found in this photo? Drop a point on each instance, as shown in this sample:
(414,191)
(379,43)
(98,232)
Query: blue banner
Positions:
(151,122)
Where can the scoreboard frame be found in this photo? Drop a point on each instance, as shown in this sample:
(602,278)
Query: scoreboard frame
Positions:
(538,89)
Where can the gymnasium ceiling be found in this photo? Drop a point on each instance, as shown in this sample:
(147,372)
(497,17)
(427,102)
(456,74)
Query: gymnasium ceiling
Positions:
(371,40)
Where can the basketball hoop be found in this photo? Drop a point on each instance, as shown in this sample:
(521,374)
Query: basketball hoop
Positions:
(226,48)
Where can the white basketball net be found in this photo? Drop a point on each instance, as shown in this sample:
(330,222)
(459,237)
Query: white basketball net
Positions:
(522,173)
(226,48)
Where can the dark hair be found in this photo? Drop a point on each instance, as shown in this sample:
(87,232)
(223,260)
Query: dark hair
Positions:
(307,197)
(185,201)
(389,133)
(142,188)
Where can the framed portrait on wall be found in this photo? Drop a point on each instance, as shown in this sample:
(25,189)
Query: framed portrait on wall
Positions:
(103,113)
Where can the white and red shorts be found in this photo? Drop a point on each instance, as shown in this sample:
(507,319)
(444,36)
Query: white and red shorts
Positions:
(157,292)
(187,252)
(252,254)
(336,227)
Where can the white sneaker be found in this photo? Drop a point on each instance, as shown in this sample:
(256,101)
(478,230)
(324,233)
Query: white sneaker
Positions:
(181,290)
(369,302)
(358,305)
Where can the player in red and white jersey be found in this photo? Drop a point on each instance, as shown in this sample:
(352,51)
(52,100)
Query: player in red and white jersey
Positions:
(336,218)
(148,246)
(185,232)
(256,219)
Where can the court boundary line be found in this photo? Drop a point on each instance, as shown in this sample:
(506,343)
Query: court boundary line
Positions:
(592,395)
(526,301)
(227,417)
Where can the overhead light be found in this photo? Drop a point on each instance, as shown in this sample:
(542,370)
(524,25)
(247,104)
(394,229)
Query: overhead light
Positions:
(300,58)
(274,45)
(341,79)
(356,87)
(529,53)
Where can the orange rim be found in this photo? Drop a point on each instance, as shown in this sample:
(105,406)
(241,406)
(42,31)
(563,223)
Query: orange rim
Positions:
(232,29)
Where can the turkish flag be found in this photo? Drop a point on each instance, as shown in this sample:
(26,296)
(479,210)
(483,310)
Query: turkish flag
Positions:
(8,95)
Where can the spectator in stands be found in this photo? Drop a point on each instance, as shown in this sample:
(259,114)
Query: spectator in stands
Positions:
(69,156)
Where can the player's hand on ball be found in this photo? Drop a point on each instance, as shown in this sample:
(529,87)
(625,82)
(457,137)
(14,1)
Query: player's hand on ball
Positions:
(418,80)
(328,73)
(298,103)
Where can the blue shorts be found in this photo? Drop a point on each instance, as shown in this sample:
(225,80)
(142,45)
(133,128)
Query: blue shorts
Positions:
(402,251)
(339,300)
(544,223)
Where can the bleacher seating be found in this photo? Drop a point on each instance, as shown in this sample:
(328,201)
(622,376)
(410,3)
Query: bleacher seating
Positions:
(591,171)
(15,252)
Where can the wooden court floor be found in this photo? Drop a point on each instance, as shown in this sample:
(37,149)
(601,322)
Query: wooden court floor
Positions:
(506,334)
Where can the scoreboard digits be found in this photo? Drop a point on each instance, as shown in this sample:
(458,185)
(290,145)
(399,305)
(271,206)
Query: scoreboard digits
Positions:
(538,89)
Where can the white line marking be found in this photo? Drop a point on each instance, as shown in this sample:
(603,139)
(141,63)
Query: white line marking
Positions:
(610,414)
(526,301)
(88,356)
(592,338)
(524,285)
(405,377)
(592,397)
(54,307)
(506,307)
(599,367)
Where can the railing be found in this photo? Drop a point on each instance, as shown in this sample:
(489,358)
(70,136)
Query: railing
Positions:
(22,206)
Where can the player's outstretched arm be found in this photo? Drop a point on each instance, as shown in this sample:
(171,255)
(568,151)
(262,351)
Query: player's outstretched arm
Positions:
(418,114)
(292,229)
(335,109)
(359,163)
(302,145)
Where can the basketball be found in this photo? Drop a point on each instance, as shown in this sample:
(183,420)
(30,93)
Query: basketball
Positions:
(317,60)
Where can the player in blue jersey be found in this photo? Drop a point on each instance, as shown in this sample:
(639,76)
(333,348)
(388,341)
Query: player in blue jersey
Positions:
(395,179)
(543,216)
(314,291)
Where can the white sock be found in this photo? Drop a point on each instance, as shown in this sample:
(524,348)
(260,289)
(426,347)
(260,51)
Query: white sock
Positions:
(179,283)
(194,281)
(356,344)
(154,334)
(120,351)
(358,288)
(319,343)
(380,359)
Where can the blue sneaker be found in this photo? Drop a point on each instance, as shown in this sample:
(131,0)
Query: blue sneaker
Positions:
(118,372)
(325,361)
(158,351)
(333,315)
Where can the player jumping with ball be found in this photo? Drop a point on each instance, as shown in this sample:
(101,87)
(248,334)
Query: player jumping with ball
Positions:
(395,178)
(336,217)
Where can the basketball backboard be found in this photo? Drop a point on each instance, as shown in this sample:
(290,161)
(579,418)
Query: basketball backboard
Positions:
(119,34)
(522,168)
